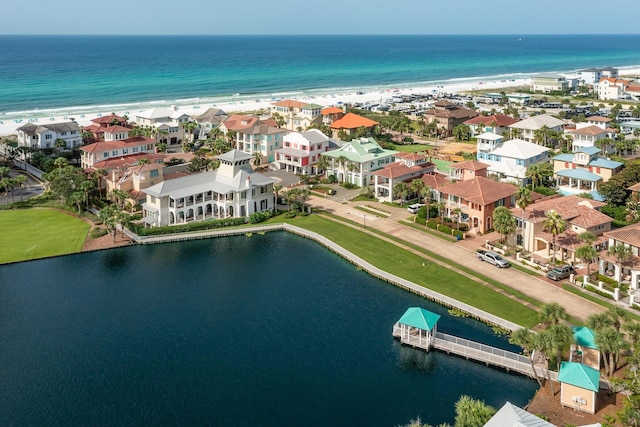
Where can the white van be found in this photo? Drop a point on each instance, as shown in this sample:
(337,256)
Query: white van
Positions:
(415,207)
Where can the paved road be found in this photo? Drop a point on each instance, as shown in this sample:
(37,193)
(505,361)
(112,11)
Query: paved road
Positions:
(33,188)
(529,285)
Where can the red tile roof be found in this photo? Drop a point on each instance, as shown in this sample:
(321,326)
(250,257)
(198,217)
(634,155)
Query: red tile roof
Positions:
(629,234)
(598,119)
(290,103)
(353,121)
(501,120)
(589,130)
(236,122)
(128,160)
(480,190)
(411,156)
(435,180)
(574,209)
(400,169)
(108,119)
(473,165)
(331,110)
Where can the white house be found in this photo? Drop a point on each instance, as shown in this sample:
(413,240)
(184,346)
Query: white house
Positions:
(233,190)
(39,136)
(510,159)
(528,127)
(549,83)
(301,151)
(169,120)
(409,166)
(610,88)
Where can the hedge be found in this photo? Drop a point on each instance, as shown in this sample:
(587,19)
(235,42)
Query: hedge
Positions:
(185,228)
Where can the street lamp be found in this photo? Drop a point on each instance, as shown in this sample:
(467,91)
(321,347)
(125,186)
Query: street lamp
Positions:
(364,220)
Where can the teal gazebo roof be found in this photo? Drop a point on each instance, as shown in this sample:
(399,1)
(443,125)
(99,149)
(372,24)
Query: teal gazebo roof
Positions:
(419,318)
(584,337)
(579,375)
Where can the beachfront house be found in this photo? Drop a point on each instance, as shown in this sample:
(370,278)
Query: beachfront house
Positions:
(509,160)
(355,160)
(233,190)
(331,114)
(301,151)
(170,121)
(447,116)
(296,115)
(583,171)
(406,168)
(351,123)
(94,156)
(527,128)
(580,215)
(41,136)
(611,88)
(547,83)
(579,385)
(108,128)
(495,123)
(209,120)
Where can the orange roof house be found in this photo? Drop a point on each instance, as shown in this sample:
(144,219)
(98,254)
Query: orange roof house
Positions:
(350,122)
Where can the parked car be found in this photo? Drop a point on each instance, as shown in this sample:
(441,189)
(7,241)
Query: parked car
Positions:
(415,207)
(492,258)
(561,272)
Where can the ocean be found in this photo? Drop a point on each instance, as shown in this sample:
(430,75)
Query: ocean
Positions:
(47,75)
(270,330)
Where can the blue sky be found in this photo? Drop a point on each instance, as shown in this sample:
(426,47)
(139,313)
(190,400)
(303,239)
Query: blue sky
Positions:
(320,17)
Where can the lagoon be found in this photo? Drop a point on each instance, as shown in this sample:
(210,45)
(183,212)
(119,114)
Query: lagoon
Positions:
(266,330)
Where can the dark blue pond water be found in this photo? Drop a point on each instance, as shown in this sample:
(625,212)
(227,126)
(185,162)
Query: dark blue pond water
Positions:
(270,330)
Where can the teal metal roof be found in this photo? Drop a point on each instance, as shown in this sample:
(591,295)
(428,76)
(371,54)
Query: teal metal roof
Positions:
(419,318)
(584,337)
(604,163)
(564,157)
(361,150)
(579,375)
(588,150)
(579,173)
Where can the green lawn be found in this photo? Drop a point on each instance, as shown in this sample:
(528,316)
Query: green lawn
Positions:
(37,233)
(413,148)
(410,266)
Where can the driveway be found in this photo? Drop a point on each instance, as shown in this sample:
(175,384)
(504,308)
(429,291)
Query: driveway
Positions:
(462,254)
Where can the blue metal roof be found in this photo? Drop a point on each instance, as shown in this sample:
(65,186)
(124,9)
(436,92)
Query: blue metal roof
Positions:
(604,163)
(564,157)
(581,174)
(589,150)
(597,196)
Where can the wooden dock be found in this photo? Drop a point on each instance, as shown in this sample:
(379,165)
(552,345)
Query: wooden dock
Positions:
(471,350)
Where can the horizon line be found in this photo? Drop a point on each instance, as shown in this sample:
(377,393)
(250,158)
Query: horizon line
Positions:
(319,34)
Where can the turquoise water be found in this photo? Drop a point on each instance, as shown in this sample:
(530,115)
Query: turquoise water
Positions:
(49,74)
(270,330)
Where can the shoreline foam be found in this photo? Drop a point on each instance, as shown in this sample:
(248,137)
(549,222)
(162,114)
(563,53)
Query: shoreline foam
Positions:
(243,103)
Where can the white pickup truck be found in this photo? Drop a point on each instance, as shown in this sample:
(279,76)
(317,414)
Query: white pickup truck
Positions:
(492,258)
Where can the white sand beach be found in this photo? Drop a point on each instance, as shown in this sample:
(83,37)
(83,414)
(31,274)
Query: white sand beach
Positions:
(244,104)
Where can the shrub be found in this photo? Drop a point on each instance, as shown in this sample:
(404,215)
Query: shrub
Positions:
(290,215)
(98,232)
(421,221)
(348,185)
(445,229)
(190,226)
(458,234)
(432,224)
(258,217)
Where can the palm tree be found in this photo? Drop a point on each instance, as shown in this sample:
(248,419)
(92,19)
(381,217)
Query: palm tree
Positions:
(525,338)
(276,193)
(610,342)
(617,316)
(119,197)
(621,252)
(599,321)
(633,332)
(21,182)
(441,205)
(342,161)
(562,336)
(257,158)
(472,413)
(401,190)
(97,176)
(458,213)
(504,222)
(351,167)
(416,186)
(59,144)
(552,313)
(588,254)
(86,187)
(544,343)
(523,199)
(323,163)
(425,193)
(555,225)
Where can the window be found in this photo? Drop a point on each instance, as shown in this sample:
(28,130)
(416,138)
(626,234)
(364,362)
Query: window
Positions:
(48,136)
(153,173)
(125,151)
(114,153)
(135,149)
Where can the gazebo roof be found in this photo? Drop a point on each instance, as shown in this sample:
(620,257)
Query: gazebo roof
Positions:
(584,337)
(419,318)
(579,375)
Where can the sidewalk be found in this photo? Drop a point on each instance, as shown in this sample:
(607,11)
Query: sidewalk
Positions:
(463,253)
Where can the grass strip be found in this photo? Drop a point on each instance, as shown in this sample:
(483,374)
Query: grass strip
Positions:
(39,233)
(411,266)
(594,298)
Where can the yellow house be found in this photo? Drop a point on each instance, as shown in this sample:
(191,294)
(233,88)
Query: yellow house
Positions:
(579,386)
